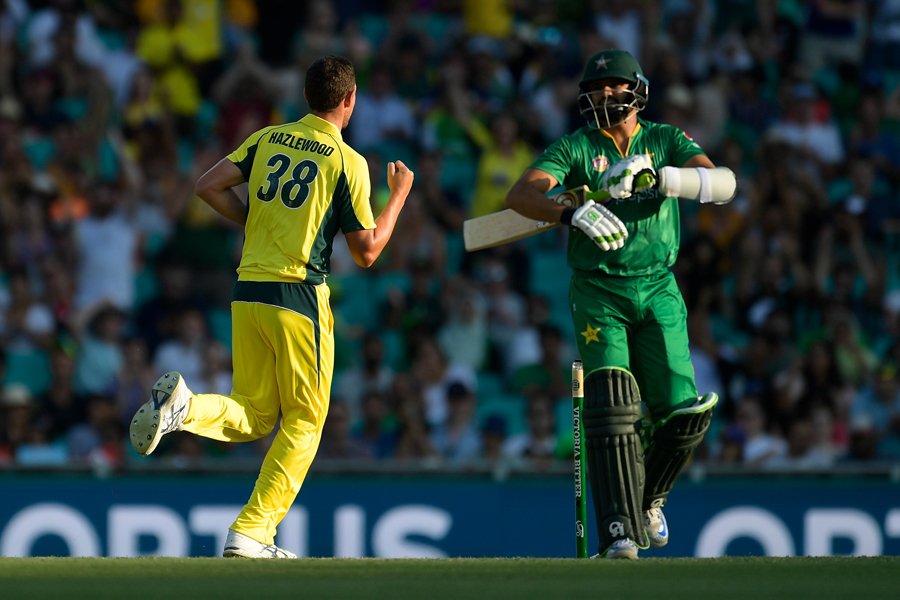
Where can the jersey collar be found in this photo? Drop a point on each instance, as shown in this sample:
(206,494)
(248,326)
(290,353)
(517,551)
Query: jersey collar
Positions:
(637,129)
(322,125)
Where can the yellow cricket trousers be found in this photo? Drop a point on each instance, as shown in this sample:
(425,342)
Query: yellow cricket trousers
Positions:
(283,358)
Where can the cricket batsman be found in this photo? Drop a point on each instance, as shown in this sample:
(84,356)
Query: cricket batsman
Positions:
(628,313)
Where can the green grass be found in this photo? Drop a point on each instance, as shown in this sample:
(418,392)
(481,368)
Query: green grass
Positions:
(428,579)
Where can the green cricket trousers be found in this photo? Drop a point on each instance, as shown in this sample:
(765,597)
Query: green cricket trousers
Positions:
(638,324)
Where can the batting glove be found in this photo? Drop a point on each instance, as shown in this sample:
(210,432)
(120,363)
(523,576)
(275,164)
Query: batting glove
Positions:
(601,225)
(620,180)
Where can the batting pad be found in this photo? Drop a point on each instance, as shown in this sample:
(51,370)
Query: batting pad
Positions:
(671,446)
(612,409)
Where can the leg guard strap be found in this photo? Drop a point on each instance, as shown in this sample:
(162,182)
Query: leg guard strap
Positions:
(612,409)
(671,445)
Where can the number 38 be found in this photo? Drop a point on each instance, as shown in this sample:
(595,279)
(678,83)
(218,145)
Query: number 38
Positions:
(295,190)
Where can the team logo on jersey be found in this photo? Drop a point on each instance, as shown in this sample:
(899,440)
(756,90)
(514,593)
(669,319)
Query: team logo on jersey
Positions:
(590,334)
(600,163)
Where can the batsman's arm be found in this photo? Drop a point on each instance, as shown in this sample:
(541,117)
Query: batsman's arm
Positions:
(699,180)
(528,197)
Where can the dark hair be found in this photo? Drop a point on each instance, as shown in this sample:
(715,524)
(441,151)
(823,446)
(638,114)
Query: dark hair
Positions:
(328,81)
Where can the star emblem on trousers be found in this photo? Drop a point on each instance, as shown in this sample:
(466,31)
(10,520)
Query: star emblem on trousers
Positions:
(590,334)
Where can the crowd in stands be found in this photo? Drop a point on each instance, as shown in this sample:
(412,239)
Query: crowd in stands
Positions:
(111,272)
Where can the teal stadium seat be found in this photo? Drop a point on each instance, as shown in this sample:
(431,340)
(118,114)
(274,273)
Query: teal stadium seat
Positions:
(220,325)
(508,406)
(31,368)
(354,299)
(550,278)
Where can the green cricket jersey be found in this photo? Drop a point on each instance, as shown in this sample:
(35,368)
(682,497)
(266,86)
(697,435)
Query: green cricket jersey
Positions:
(654,228)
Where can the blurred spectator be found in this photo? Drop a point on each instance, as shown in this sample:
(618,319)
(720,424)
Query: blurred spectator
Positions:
(853,359)
(417,240)
(418,311)
(215,374)
(136,377)
(492,18)
(552,373)
(316,36)
(761,447)
(99,440)
(545,85)
(505,306)
(184,351)
(463,338)
(536,447)
(434,374)
(370,375)
(60,406)
(99,359)
(413,440)
(871,139)
(491,84)
(441,131)
(884,41)
(377,428)
(877,405)
(26,324)
(16,420)
(705,354)
(243,93)
(443,204)
(834,32)
(157,318)
(457,438)
(620,25)
(384,117)
(493,438)
(808,126)
(106,270)
(503,154)
(181,43)
(338,443)
(525,344)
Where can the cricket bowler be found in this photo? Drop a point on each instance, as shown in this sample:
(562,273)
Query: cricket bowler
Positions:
(305,185)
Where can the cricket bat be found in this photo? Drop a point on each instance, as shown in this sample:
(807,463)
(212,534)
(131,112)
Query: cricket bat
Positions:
(507,226)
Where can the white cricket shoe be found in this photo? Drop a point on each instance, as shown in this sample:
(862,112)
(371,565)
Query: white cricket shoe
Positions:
(239,545)
(657,528)
(163,413)
(622,548)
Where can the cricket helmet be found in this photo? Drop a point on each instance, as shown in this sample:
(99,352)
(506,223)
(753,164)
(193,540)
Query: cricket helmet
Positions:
(611,110)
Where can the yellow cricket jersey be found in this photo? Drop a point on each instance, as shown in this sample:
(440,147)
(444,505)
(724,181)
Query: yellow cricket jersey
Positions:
(305,184)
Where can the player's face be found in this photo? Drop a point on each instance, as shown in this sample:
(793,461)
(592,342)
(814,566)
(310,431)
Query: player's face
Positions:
(607,102)
(606,90)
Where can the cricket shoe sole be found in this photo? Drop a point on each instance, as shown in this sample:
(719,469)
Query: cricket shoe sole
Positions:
(163,413)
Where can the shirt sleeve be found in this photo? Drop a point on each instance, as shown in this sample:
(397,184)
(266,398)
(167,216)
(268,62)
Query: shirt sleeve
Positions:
(683,147)
(243,156)
(556,160)
(352,196)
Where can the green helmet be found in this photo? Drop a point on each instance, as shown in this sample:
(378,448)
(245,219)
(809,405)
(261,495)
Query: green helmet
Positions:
(612,64)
